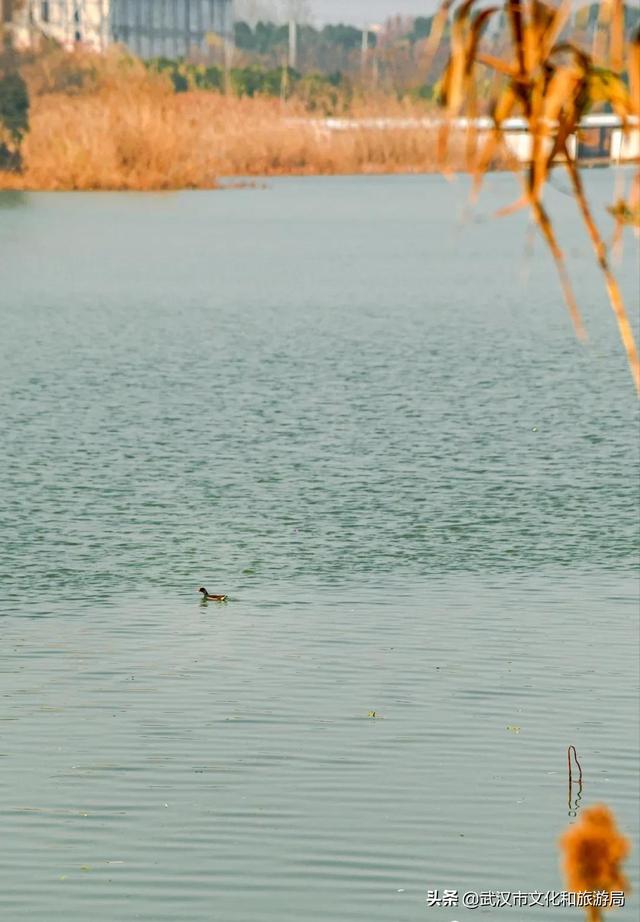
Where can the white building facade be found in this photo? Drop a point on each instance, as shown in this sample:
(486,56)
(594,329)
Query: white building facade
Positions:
(149,28)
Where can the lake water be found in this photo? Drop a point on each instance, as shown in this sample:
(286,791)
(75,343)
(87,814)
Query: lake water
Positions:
(369,422)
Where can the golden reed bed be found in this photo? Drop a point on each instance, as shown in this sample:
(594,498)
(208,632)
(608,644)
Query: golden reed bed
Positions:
(143,136)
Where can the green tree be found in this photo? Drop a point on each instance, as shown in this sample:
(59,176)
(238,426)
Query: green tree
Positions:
(14,111)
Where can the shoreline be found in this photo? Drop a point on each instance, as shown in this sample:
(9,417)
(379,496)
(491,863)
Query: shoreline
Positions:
(232,181)
(11,182)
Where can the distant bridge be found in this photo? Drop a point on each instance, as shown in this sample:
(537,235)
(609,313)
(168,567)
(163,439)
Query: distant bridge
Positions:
(600,137)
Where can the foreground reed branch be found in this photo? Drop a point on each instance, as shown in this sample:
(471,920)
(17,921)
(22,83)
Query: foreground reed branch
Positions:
(552,83)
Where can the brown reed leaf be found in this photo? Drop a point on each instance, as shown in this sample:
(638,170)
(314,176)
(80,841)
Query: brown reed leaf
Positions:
(458,85)
(435,36)
(543,221)
(616,52)
(613,289)
(503,109)
(478,26)
(503,67)
(557,22)
(558,110)
(515,17)
(606,87)
(519,205)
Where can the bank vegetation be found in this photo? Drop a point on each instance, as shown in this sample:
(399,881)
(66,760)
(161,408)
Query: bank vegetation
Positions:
(112,122)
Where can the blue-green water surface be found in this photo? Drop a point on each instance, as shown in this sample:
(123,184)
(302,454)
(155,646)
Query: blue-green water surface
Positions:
(371,424)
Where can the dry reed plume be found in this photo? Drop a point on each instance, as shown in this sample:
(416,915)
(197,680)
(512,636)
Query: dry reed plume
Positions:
(594,850)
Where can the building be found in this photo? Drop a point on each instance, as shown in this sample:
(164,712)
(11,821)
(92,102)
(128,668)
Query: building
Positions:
(149,28)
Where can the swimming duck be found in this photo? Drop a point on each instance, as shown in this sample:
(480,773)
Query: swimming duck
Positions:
(211,597)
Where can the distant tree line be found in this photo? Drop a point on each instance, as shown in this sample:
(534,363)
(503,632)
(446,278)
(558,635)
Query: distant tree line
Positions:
(324,92)
(268,37)
(394,54)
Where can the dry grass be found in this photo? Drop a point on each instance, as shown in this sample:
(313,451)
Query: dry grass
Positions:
(107,123)
(146,137)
